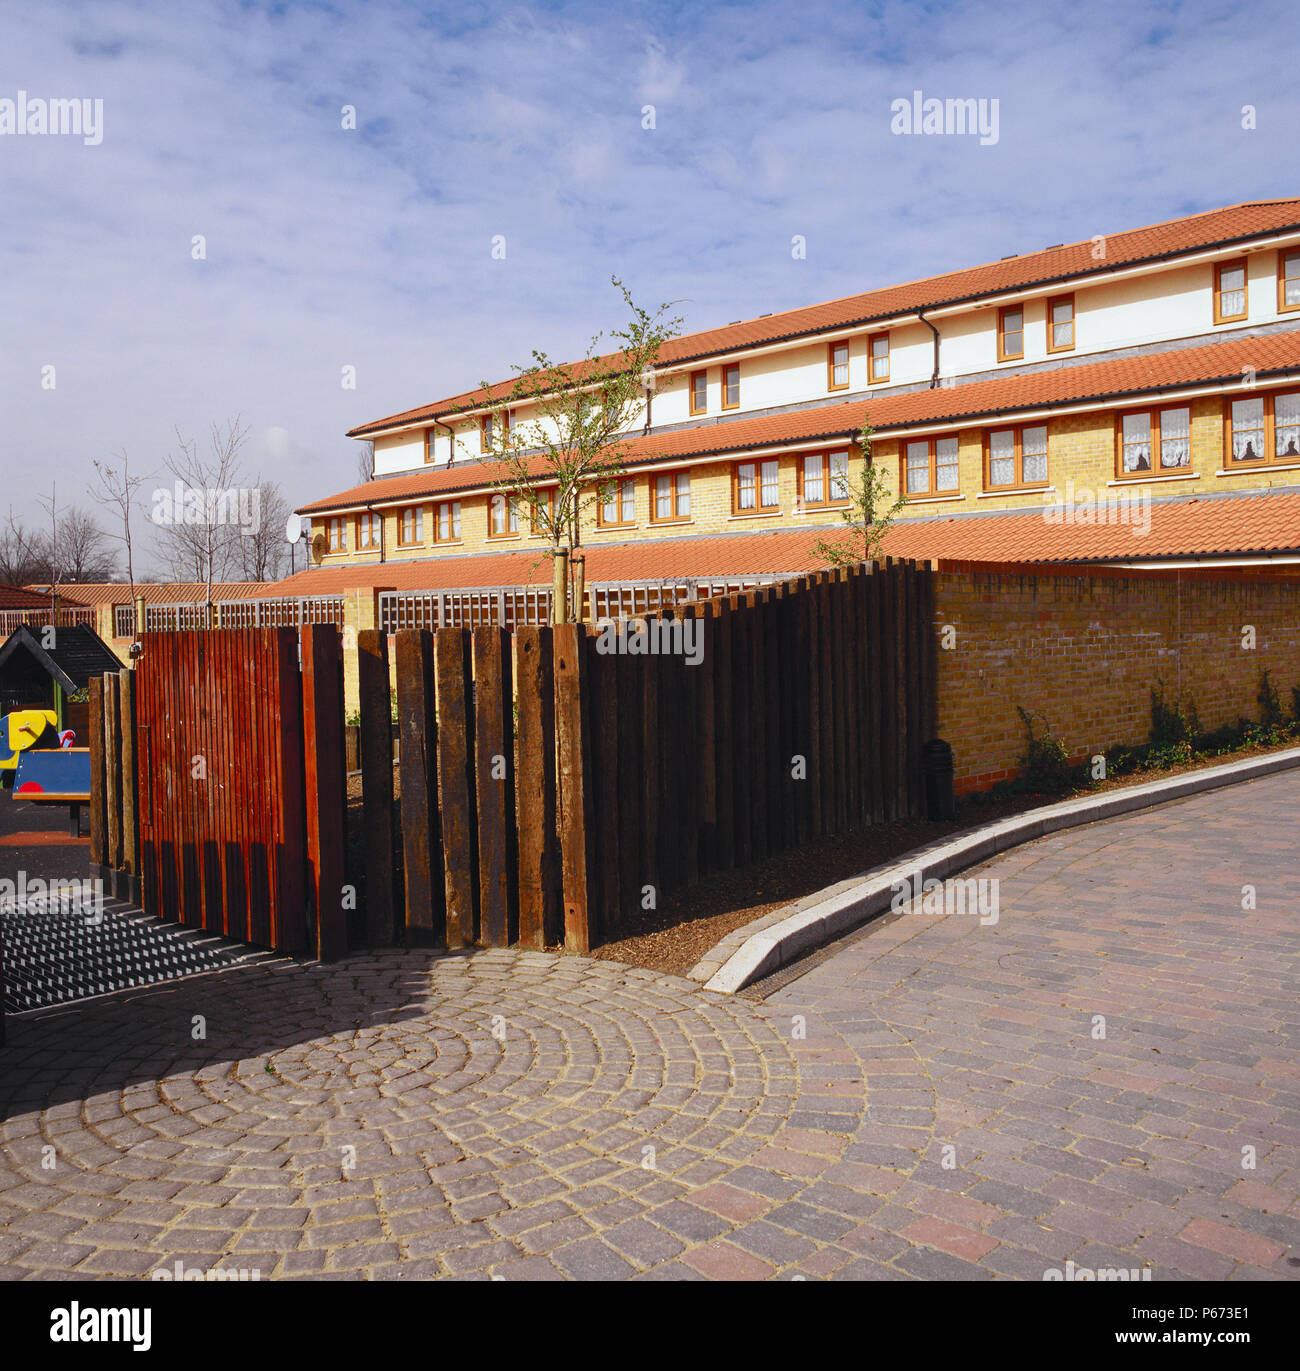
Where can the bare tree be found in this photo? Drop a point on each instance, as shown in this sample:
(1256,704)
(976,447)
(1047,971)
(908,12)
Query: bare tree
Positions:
(83,546)
(263,551)
(73,549)
(28,556)
(366,462)
(116,489)
(25,557)
(203,515)
(51,507)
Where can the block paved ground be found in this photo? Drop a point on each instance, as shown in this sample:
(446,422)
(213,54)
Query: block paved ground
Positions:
(928,1099)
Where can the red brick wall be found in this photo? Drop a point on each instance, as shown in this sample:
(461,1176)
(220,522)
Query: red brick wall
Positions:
(1082,652)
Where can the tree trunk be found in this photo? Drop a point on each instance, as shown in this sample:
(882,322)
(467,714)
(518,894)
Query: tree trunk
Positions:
(560,584)
(579,563)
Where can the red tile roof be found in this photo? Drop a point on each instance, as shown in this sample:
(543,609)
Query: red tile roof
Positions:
(1206,526)
(1068,261)
(1269,355)
(753,554)
(19,597)
(162,592)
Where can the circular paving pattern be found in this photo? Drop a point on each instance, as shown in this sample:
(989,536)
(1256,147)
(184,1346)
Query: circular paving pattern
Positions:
(400,1114)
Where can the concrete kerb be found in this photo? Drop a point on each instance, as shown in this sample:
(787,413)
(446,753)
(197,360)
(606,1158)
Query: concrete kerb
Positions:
(831,913)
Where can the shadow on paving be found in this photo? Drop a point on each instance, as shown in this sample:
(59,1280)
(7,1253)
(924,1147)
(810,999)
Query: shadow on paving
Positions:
(247,1012)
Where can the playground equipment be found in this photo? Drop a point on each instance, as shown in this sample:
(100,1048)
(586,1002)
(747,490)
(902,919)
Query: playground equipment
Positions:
(55,776)
(25,729)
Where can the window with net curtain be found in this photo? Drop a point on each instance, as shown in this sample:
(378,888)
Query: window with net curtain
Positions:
(1033,444)
(505,515)
(673,495)
(1248,430)
(1032,452)
(1175,438)
(619,507)
(919,453)
(1135,430)
(1286,424)
(757,480)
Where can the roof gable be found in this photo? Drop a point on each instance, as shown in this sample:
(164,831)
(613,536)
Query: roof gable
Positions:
(78,653)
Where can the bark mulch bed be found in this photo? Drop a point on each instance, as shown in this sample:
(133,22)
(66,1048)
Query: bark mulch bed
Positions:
(688,923)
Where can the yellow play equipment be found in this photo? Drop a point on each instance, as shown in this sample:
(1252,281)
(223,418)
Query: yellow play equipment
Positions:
(26,728)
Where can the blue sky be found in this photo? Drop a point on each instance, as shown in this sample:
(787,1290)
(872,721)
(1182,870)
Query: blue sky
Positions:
(371,248)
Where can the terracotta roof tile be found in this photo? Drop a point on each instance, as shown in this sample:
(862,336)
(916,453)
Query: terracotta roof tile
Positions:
(19,597)
(1156,241)
(1269,355)
(1189,527)
(160,592)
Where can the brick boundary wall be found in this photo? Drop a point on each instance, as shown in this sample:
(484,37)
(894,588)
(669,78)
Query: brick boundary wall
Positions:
(1081,650)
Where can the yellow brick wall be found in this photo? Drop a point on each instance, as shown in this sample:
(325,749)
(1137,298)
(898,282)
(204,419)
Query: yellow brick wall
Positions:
(710,513)
(1082,652)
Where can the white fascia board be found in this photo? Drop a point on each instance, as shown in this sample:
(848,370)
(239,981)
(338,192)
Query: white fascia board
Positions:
(1192,562)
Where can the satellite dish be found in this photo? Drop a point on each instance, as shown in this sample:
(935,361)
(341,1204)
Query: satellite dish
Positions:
(318,546)
(293,529)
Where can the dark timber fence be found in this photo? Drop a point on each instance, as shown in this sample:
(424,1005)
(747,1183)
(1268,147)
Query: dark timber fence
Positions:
(620,776)
(553,784)
(805,716)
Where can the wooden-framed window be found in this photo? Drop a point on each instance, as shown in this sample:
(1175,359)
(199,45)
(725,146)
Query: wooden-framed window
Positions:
(410,526)
(1015,457)
(367,531)
(338,535)
(1230,290)
(446,528)
(1286,427)
(485,430)
(878,352)
(930,465)
(825,478)
(547,504)
(430,450)
(618,508)
(1288,280)
(1060,323)
(503,516)
(670,498)
(1261,429)
(699,392)
(731,386)
(1011,333)
(1154,440)
(755,486)
(837,365)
